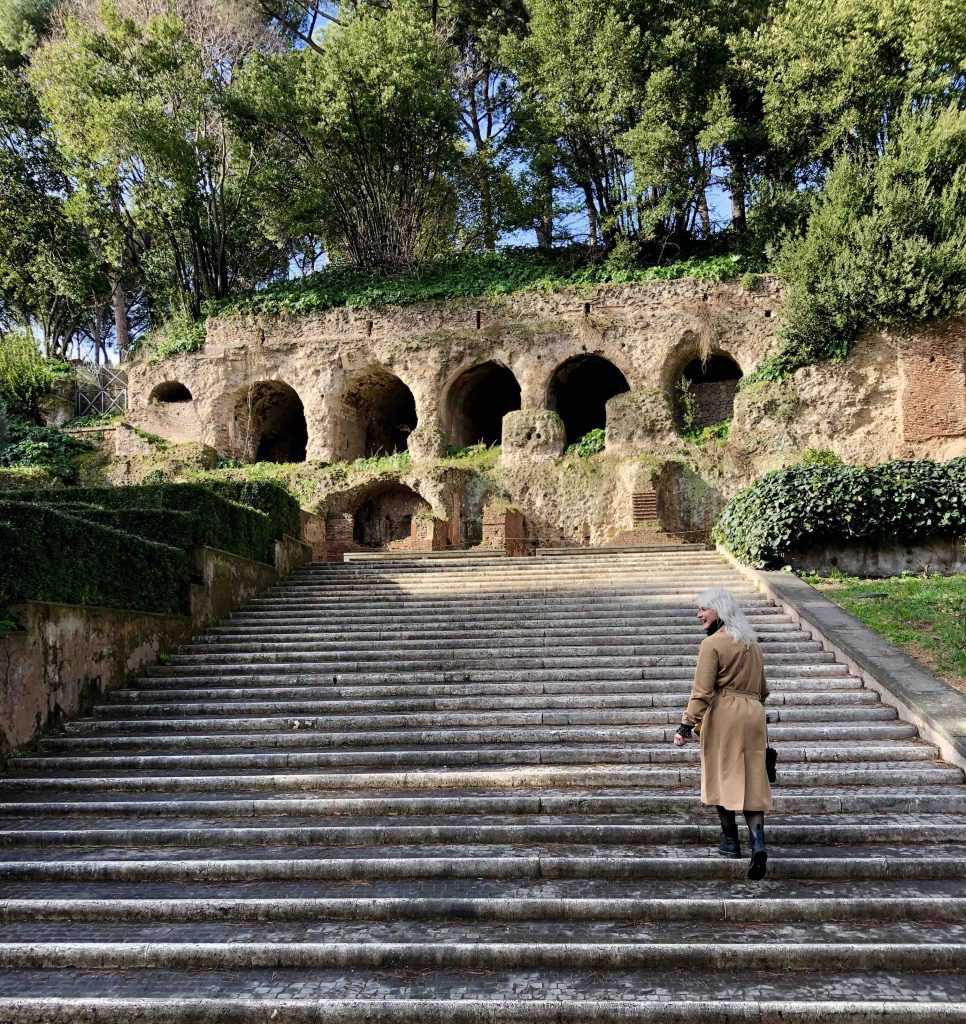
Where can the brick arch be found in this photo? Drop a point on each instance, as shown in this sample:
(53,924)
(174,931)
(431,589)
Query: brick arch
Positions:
(707,381)
(267,423)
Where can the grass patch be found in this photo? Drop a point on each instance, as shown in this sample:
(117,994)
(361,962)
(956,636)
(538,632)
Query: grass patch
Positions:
(923,615)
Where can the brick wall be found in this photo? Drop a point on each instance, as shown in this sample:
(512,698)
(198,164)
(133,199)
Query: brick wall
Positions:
(932,369)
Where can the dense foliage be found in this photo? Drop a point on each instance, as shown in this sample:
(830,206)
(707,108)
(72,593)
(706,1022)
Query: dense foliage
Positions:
(469,276)
(895,501)
(25,375)
(51,554)
(162,159)
(45,448)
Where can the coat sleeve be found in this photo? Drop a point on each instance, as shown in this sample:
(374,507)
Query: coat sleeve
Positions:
(702,688)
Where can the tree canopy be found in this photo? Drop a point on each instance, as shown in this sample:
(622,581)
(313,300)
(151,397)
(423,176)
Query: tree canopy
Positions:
(160,157)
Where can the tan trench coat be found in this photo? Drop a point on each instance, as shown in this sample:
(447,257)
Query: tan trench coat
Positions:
(726,703)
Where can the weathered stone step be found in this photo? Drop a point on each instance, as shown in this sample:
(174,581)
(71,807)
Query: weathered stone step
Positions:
(260,745)
(180,688)
(847,866)
(190,803)
(807,652)
(500,909)
(179,709)
(513,1004)
(210,832)
(837,750)
(483,956)
(588,646)
(473,673)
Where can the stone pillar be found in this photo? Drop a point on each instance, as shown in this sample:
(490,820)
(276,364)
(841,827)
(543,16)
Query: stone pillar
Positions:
(504,530)
(427,442)
(533,434)
(640,421)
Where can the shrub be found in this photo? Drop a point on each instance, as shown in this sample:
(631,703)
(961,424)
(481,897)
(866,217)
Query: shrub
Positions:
(178,529)
(885,243)
(4,426)
(43,448)
(590,444)
(50,555)
(267,497)
(223,524)
(897,501)
(25,375)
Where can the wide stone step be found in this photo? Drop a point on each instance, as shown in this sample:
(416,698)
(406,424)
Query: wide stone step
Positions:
(521,867)
(180,709)
(484,956)
(193,800)
(551,1000)
(498,909)
(481,740)
(256,687)
(488,726)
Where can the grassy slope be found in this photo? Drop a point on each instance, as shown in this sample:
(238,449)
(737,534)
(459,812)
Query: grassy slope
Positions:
(924,615)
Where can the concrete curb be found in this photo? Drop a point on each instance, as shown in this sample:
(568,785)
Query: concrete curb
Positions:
(920,697)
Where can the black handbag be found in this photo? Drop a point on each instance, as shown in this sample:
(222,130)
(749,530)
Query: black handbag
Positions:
(771,756)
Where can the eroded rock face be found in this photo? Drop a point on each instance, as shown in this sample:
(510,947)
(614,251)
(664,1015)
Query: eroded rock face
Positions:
(354,383)
(533,434)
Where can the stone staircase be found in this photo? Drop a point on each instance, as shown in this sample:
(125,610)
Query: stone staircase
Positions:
(443,790)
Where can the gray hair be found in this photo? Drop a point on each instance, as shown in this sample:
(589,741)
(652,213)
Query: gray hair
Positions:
(736,623)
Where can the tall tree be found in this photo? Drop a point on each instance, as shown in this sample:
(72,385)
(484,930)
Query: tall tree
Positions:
(160,179)
(361,140)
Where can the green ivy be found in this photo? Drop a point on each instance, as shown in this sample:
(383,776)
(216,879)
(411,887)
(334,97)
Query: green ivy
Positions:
(52,555)
(453,276)
(590,444)
(33,446)
(897,501)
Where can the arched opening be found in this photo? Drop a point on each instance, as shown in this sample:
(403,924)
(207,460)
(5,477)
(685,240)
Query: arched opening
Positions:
(705,392)
(378,415)
(170,391)
(387,516)
(580,390)
(477,402)
(270,423)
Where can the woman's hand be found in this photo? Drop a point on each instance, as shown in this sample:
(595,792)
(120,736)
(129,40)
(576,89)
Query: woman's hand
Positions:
(682,735)
(679,740)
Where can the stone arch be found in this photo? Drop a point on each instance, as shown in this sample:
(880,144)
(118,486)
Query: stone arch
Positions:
(704,391)
(384,516)
(170,391)
(476,402)
(377,414)
(579,391)
(268,423)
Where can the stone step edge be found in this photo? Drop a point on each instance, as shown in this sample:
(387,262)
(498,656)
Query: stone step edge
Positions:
(879,868)
(248,1010)
(499,908)
(496,955)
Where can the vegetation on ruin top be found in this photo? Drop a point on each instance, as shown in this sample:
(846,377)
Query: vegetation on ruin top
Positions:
(924,615)
(473,275)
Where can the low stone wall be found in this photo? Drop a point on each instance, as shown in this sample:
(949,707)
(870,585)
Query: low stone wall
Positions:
(66,656)
(938,556)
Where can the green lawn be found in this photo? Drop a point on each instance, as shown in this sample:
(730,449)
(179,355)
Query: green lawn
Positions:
(924,615)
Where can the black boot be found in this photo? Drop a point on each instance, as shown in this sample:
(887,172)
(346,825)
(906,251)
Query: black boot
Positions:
(730,847)
(759,854)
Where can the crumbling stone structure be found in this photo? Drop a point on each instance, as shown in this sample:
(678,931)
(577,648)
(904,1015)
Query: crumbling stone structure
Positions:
(535,372)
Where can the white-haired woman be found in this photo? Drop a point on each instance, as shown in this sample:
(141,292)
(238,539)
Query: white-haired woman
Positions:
(726,708)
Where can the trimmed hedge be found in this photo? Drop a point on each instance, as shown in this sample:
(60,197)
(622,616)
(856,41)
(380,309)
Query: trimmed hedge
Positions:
(51,555)
(165,526)
(267,497)
(900,501)
(238,529)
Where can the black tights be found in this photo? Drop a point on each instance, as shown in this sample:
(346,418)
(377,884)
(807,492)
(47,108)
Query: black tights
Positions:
(729,823)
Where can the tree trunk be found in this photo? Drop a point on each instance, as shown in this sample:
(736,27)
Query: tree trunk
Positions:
(738,218)
(121,328)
